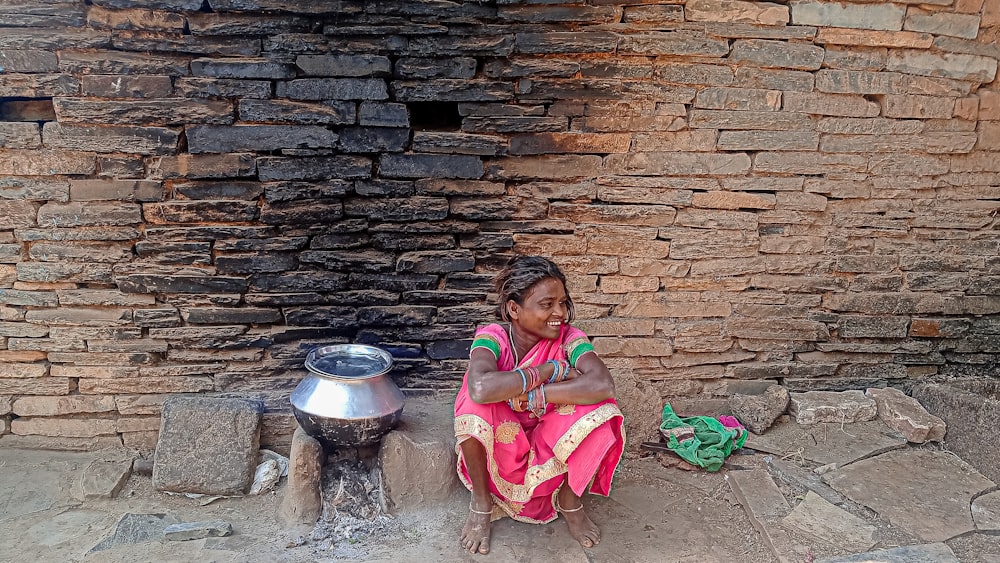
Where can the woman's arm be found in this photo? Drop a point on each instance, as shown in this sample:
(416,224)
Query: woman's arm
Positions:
(489,385)
(593,383)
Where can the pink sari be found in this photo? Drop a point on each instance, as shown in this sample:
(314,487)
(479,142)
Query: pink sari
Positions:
(529,459)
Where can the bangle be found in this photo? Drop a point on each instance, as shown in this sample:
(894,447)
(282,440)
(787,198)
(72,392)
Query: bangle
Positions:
(524,380)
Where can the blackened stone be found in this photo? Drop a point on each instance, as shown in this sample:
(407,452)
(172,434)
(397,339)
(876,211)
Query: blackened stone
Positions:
(449,349)
(468,281)
(255,263)
(314,168)
(375,114)
(468,314)
(135,140)
(364,298)
(443,298)
(242,68)
(300,280)
(202,23)
(344,65)
(79,214)
(188,87)
(398,209)
(449,90)
(219,139)
(28,60)
(275,192)
(284,300)
(423,262)
(156,318)
(151,283)
(394,282)
(404,241)
(39,85)
(199,211)
(243,315)
(208,233)
(458,143)
(436,331)
(219,190)
(391,188)
(433,166)
(349,260)
(326,316)
(423,68)
(399,315)
(315,211)
(281,111)
(257,245)
(199,253)
(374,139)
(482,44)
(333,89)
(485,209)
(488,241)
(340,241)
(117,86)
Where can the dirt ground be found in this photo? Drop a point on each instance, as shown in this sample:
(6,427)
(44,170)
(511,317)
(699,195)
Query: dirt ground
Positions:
(654,514)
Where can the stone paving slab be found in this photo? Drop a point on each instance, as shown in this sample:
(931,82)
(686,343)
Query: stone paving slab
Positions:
(986,512)
(925,553)
(925,493)
(817,518)
(765,505)
(825,443)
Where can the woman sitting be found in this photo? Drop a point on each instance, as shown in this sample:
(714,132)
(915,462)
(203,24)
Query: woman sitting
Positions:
(535,420)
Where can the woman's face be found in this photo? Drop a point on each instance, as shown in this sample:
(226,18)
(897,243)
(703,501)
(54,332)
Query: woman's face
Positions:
(544,310)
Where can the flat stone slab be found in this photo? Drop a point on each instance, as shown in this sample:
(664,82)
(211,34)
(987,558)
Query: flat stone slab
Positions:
(925,553)
(207,445)
(184,531)
(828,443)
(103,479)
(812,407)
(817,518)
(986,512)
(135,528)
(765,505)
(925,493)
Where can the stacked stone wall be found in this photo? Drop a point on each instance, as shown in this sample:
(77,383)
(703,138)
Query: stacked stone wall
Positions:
(195,192)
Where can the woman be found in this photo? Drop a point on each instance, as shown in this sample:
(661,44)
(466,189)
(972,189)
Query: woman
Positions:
(535,420)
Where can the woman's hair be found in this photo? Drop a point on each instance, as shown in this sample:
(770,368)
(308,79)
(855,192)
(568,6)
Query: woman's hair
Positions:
(515,281)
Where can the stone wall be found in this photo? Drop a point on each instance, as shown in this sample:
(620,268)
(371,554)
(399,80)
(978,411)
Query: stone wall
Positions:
(194,192)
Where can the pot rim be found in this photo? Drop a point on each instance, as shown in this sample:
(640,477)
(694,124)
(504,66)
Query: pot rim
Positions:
(365,350)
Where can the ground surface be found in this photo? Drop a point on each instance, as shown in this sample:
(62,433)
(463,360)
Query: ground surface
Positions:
(654,514)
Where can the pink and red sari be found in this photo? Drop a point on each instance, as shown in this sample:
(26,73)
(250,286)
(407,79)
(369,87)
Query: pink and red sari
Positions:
(530,459)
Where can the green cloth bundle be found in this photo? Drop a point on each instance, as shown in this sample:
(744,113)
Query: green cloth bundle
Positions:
(700,440)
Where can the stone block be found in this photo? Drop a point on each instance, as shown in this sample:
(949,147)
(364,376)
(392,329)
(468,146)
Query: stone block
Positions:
(812,407)
(375,114)
(777,54)
(334,89)
(64,427)
(427,68)
(434,166)
(219,139)
(948,65)
(314,168)
(759,411)
(887,17)
(189,87)
(135,19)
(729,11)
(417,459)
(299,113)
(44,162)
(964,412)
(986,512)
(134,140)
(817,518)
(302,503)
(452,90)
(20,135)
(207,445)
(942,23)
(907,416)
(38,85)
(354,66)
(55,406)
(678,43)
(28,61)
(172,111)
(251,68)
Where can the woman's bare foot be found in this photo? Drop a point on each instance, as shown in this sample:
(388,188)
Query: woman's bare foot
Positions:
(476,532)
(581,527)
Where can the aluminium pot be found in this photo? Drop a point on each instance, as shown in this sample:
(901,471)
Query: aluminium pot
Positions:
(347,398)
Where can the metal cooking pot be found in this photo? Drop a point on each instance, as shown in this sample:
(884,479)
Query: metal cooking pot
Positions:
(347,399)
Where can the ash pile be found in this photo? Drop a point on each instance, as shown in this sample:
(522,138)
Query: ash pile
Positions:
(354,507)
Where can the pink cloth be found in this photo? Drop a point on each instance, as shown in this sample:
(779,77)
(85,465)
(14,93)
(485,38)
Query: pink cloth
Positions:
(530,459)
